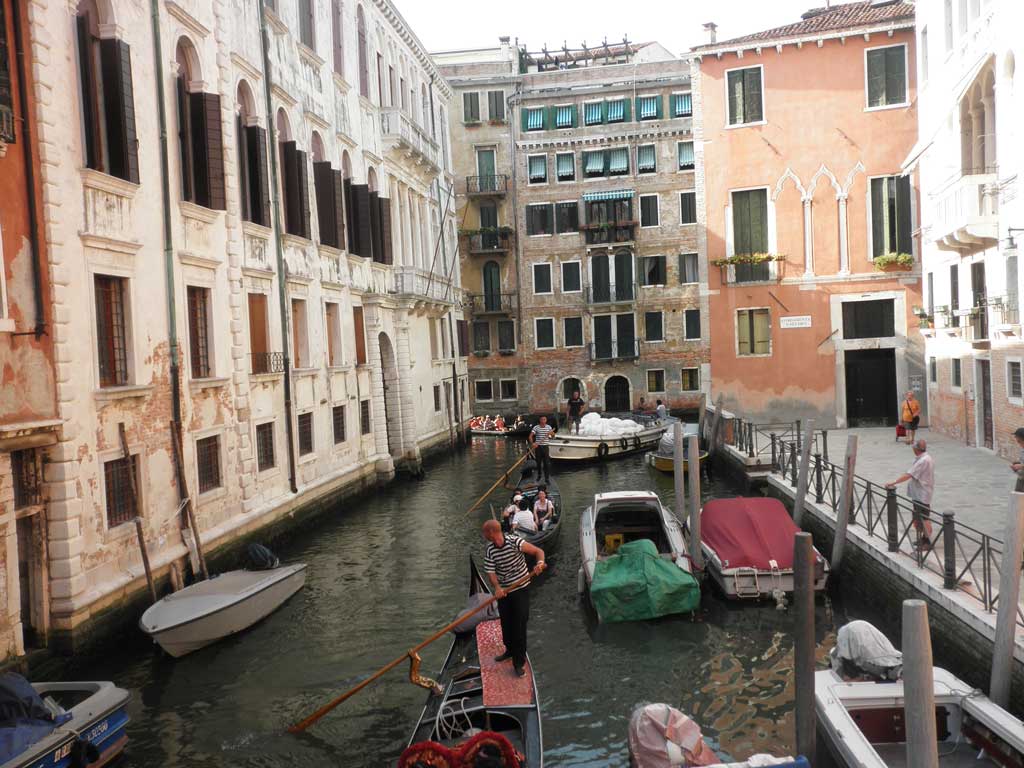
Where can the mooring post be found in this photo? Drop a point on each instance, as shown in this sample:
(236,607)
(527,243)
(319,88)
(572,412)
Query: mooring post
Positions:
(750,439)
(824,443)
(819,490)
(845,502)
(948,550)
(919,687)
(892,520)
(798,434)
(803,643)
(693,458)
(801,482)
(775,456)
(1009,597)
(793,448)
(677,471)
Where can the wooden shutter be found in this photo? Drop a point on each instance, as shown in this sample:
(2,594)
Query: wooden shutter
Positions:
(626,117)
(258,324)
(385,230)
(876,78)
(119,109)
(879,209)
(87,76)
(339,50)
(658,100)
(351,229)
(357,324)
(903,219)
(207,150)
(245,181)
(185,139)
(895,75)
(752,95)
(364,238)
(524,117)
(550,118)
(463,337)
(259,179)
(289,185)
(338,187)
(762,331)
(376,247)
(323,184)
(744,321)
(303,179)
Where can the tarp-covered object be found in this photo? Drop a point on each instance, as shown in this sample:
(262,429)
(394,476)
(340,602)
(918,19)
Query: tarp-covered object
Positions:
(636,584)
(24,718)
(748,533)
(661,736)
(667,443)
(861,648)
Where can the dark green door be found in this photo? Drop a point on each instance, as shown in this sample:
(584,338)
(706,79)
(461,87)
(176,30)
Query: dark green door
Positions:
(492,287)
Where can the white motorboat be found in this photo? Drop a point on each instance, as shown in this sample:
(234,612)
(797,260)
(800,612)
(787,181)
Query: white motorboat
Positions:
(565,446)
(207,611)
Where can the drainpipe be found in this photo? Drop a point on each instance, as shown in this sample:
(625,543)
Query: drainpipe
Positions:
(30,175)
(275,198)
(165,183)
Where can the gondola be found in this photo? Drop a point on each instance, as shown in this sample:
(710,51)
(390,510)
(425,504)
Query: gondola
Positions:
(475,693)
(529,488)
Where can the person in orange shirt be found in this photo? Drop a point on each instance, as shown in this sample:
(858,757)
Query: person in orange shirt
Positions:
(911,416)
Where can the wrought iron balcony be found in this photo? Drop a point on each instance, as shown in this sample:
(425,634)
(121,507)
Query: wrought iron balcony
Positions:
(493,185)
(492,303)
(610,350)
(610,232)
(966,213)
(489,243)
(267,362)
(610,294)
(402,134)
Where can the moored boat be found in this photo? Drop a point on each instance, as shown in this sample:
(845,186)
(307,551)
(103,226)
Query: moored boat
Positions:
(662,458)
(600,444)
(60,725)
(210,610)
(748,547)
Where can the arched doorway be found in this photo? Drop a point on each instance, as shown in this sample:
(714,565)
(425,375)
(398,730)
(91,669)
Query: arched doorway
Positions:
(616,394)
(492,286)
(392,408)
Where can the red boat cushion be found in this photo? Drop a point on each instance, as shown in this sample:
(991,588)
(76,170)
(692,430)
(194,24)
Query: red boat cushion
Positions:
(502,687)
(747,533)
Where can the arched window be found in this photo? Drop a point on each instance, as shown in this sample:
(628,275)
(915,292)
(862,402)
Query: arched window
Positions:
(108,101)
(253,181)
(371,179)
(364,56)
(294,180)
(337,37)
(201,148)
(307,23)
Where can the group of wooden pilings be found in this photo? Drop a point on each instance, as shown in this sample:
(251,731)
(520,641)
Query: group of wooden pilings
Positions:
(679,466)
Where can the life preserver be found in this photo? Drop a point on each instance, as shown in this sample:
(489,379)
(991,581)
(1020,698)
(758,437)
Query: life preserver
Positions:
(636,442)
(602,450)
(624,443)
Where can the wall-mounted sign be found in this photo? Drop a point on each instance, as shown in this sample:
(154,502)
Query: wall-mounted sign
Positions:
(795,321)
(916,382)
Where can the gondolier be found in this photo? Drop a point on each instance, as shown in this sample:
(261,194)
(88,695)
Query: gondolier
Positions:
(540,435)
(505,566)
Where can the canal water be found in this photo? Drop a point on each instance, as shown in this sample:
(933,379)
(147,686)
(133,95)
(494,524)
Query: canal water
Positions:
(386,571)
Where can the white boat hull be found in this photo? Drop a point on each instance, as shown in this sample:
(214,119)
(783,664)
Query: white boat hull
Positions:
(569,447)
(752,582)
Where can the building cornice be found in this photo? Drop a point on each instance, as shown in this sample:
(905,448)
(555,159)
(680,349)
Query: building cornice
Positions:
(818,39)
(189,21)
(419,50)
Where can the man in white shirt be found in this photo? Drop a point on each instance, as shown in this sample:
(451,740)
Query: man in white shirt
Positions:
(662,411)
(525,521)
(509,512)
(922,484)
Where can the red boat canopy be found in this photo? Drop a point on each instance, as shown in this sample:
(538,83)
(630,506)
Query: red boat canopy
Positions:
(747,533)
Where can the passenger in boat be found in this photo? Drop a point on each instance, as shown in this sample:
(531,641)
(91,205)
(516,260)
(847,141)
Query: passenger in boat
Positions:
(525,519)
(499,423)
(543,510)
(539,438)
(509,512)
(505,566)
(922,484)
(575,406)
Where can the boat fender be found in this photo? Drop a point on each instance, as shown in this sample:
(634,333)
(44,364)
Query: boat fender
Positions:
(84,753)
(636,442)
(624,443)
(602,450)
(580,582)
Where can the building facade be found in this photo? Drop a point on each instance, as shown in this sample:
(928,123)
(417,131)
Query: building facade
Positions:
(257,315)
(579,245)
(806,211)
(968,160)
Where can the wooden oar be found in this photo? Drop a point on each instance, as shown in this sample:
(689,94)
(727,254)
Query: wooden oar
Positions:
(498,482)
(411,654)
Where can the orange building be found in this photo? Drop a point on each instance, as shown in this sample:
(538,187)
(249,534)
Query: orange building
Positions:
(810,229)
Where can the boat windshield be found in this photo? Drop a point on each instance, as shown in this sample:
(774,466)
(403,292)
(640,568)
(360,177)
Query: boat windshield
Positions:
(619,522)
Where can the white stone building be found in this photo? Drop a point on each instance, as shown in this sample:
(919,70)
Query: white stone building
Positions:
(294,249)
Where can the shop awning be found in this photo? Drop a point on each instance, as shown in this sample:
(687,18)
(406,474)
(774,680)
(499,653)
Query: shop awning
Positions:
(614,194)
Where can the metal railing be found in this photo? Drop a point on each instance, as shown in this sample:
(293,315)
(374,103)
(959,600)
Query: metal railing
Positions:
(491,303)
(267,362)
(612,232)
(399,128)
(620,349)
(967,199)
(495,184)
(757,272)
(489,242)
(610,294)
(413,281)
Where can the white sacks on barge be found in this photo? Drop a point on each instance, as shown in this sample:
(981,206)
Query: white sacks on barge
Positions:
(601,438)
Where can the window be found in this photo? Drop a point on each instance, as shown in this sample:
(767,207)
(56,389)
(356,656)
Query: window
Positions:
(364,65)
(306,28)
(262,359)
(963,16)
(933,370)
(571,282)
(506,335)
(329,188)
(954,294)
(684,155)
(753,332)
(688,270)
(484,390)
(955,378)
(948,19)
(656,381)
(1013,378)
(364,417)
(300,335)
(682,105)
(648,210)
(542,278)
(648,107)
(539,218)
(924,53)
(691,325)
(462,333)
(567,217)
(265,458)
(687,207)
(594,164)
(744,95)
(437,398)
(338,422)
(646,158)
(332,317)
(886,76)
(544,328)
(200,144)
(890,215)
(253,178)
(869,319)
(199,331)
(108,100)
(534,117)
(120,480)
(565,116)
(538,169)
(112,330)
(27,474)
(360,333)
(690,379)
(508,389)
(572,331)
(337,38)
(305,433)
(618,161)
(653,327)
(653,270)
(618,111)
(481,336)
(496,106)
(208,463)
(295,189)
(565,165)
(593,112)
(750,221)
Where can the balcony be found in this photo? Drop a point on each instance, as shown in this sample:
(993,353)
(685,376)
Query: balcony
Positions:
(610,294)
(495,185)
(611,350)
(405,139)
(491,304)
(966,213)
(267,362)
(426,288)
(495,243)
(609,233)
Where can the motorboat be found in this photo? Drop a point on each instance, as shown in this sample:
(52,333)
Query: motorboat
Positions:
(635,564)
(748,547)
(477,703)
(61,724)
(862,721)
(224,605)
(662,458)
(599,439)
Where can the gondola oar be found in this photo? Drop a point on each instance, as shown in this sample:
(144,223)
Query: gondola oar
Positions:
(412,655)
(498,482)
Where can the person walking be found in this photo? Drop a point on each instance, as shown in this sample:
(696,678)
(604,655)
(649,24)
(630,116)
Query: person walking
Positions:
(922,484)
(911,416)
(574,407)
(540,435)
(505,566)
(1018,465)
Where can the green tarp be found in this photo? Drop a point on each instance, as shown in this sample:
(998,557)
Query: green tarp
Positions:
(635,584)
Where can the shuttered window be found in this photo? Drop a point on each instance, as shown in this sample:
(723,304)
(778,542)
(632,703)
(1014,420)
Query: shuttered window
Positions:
(471,107)
(646,158)
(360,335)
(571,277)
(618,161)
(750,221)
(545,333)
(535,119)
(566,165)
(111,330)
(687,207)
(253,178)
(565,116)
(890,215)
(506,335)
(567,217)
(887,76)
(753,332)
(330,207)
(296,190)
(538,166)
(592,113)
(616,111)
(653,327)
(481,336)
(572,331)
(649,211)
(496,106)
(745,96)
(337,38)
(685,154)
(306,25)
(462,329)
(364,60)
(682,105)
(647,107)
(539,219)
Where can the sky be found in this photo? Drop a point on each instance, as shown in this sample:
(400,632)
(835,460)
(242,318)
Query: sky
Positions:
(677,24)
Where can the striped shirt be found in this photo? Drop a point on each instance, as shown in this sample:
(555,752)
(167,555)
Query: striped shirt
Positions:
(542,433)
(507,561)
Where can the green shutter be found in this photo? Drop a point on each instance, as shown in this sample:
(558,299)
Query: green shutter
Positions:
(895,75)
(604,111)
(741,222)
(876,78)
(752,95)
(523,111)
(551,117)
(625,107)
(574,122)
(657,111)
(735,88)
(758,220)
(903,218)
(878,217)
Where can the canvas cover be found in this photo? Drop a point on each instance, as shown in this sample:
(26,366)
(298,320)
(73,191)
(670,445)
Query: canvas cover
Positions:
(636,584)
(861,648)
(24,718)
(661,736)
(748,533)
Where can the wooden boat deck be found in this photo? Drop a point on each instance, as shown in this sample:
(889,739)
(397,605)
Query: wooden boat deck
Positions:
(502,687)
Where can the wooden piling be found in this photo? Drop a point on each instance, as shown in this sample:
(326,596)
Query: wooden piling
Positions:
(805,467)
(134,491)
(678,471)
(918,687)
(716,420)
(696,554)
(845,502)
(803,643)
(1009,597)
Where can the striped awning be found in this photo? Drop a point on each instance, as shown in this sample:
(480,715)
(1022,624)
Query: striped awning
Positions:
(648,107)
(614,194)
(685,154)
(563,117)
(682,104)
(535,119)
(566,165)
(645,158)
(592,113)
(616,110)
(538,167)
(593,162)
(618,160)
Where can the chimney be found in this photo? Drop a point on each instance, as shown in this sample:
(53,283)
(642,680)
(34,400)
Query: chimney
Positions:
(712,29)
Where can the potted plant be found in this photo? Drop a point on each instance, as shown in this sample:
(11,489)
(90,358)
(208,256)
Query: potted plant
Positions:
(750,259)
(893,262)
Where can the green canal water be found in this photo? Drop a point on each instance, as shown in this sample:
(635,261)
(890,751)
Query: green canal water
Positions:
(386,571)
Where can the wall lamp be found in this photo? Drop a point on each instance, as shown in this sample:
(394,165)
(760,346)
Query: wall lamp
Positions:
(1009,232)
